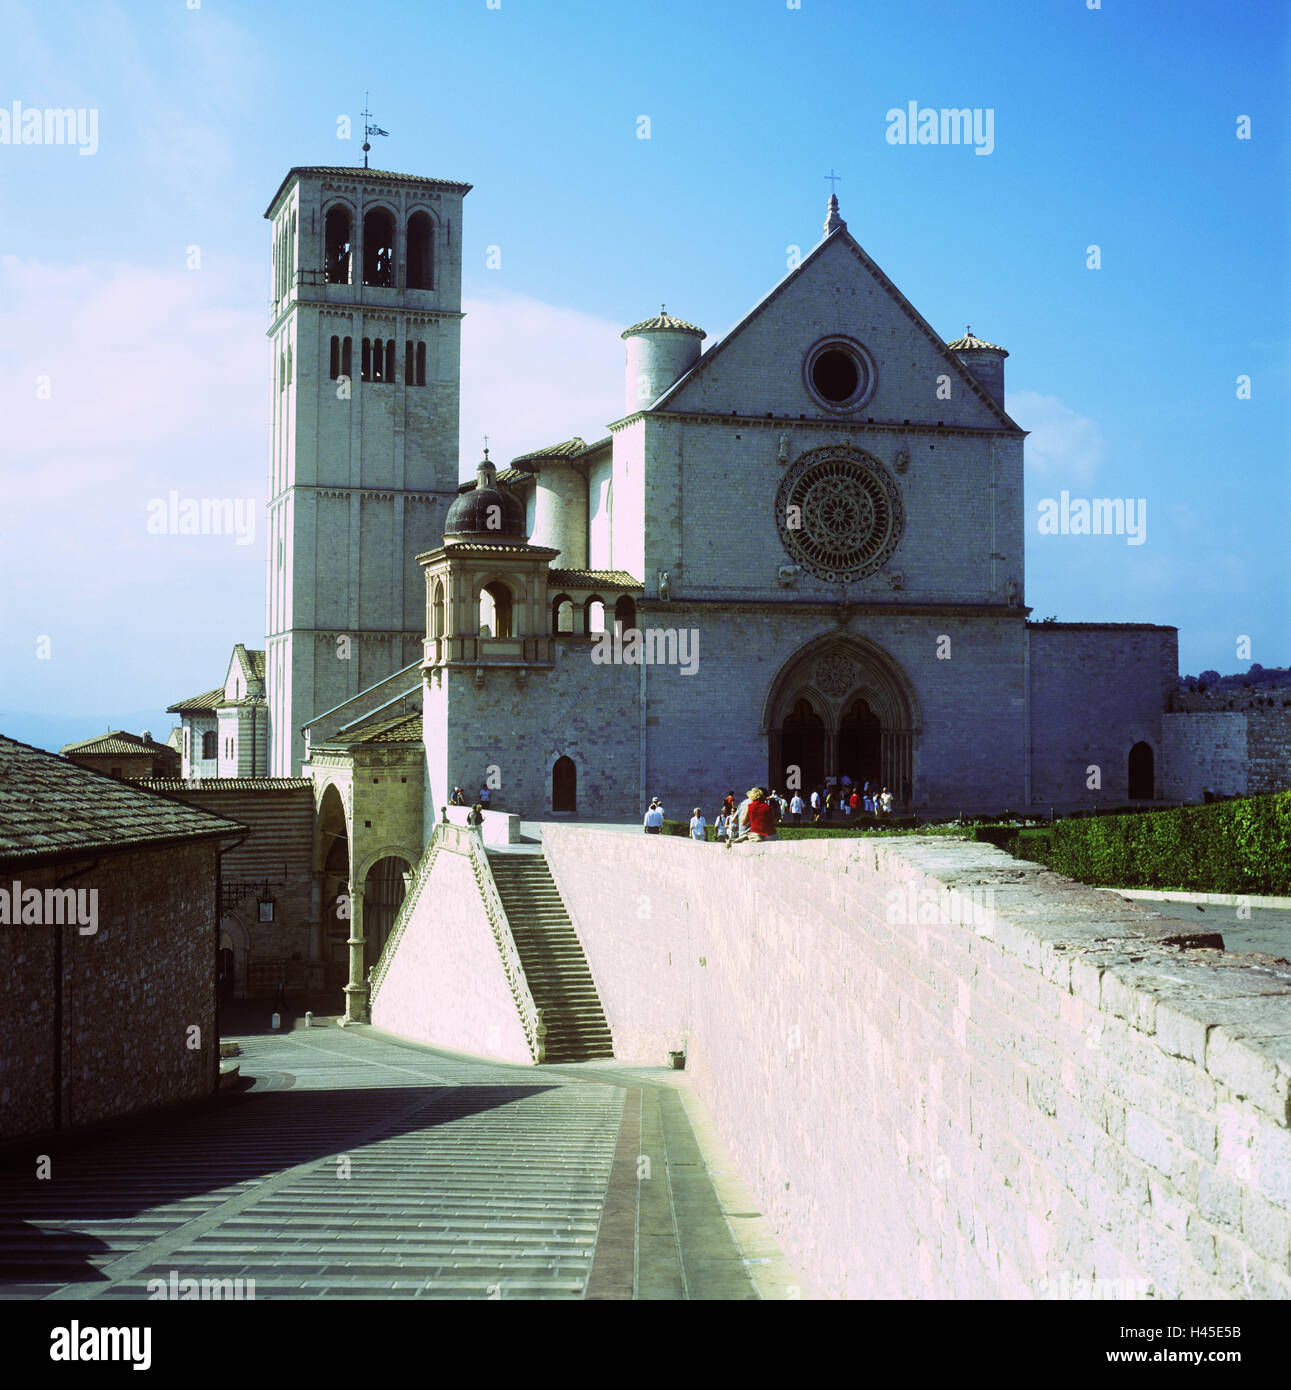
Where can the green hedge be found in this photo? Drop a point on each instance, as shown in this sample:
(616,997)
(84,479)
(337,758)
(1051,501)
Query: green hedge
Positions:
(1241,846)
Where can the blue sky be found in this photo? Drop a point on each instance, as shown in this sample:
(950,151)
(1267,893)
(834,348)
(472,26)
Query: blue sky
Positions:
(1115,127)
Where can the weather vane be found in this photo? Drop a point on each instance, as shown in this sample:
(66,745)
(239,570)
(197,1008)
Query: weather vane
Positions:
(369,129)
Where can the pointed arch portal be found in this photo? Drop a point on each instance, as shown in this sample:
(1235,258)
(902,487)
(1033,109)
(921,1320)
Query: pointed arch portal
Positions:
(841,706)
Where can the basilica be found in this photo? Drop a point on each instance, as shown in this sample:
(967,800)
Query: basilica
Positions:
(798,554)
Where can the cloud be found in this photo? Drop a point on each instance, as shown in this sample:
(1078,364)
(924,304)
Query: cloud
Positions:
(535,374)
(1064,448)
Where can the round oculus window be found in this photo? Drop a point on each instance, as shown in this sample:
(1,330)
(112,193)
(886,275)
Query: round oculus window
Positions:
(839,513)
(839,374)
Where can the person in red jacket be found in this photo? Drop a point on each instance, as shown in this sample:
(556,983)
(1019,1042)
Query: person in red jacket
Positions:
(758,818)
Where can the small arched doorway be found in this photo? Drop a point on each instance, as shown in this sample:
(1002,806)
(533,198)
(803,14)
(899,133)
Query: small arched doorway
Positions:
(1141,772)
(564,786)
(802,749)
(334,865)
(383,894)
(859,744)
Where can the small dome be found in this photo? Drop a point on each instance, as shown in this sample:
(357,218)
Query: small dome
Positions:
(970,344)
(485,512)
(663,322)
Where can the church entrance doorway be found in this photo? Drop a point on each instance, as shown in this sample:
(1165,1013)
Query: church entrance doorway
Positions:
(564,786)
(334,854)
(859,740)
(802,750)
(1141,770)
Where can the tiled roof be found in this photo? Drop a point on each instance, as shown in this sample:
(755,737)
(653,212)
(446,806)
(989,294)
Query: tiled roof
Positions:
(660,322)
(257,663)
(969,343)
(591,579)
(199,704)
(51,808)
(117,741)
(487,548)
(373,175)
(220,784)
(567,449)
(510,477)
(403,728)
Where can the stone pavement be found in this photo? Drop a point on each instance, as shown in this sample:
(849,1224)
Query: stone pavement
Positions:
(1252,928)
(362,1166)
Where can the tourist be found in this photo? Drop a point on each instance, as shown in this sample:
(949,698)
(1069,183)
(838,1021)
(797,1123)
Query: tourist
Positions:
(885,803)
(484,797)
(847,803)
(854,801)
(721,826)
(758,818)
(728,805)
(698,826)
(829,803)
(654,819)
(458,797)
(815,806)
(475,820)
(796,808)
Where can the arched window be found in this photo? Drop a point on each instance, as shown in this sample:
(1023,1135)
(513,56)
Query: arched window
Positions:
(1141,773)
(562,614)
(421,364)
(377,361)
(335,367)
(291,253)
(336,244)
(282,371)
(408,373)
(420,251)
(288,364)
(437,610)
(365,364)
(594,615)
(347,358)
(389,376)
(625,615)
(378,248)
(564,785)
(210,745)
(495,610)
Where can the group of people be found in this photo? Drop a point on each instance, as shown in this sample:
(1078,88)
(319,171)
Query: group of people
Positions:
(475,817)
(756,817)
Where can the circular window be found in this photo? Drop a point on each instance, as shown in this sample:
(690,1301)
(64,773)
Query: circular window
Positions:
(839,374)
(839,513)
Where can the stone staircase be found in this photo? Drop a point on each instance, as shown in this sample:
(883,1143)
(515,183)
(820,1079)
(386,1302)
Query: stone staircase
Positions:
(552,956)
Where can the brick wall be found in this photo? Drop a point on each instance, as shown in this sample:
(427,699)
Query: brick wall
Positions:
(129,991)
(1020,1094)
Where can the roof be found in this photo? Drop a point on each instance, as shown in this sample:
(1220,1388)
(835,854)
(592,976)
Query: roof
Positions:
(220,784)
(663,322)
(593,579)
(117,741)
(207,703)
(567,449)
(52,808)
(403,728)
(372,175)
(256,660)
(714,350)
(970,344)
(510,477)
(485,548)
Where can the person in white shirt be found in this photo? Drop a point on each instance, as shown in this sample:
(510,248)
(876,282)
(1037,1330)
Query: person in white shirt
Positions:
(654,819)
(795,807)
(698,826)
(885,803)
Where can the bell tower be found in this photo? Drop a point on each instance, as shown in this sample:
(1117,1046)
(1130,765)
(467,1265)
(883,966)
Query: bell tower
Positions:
(364,374)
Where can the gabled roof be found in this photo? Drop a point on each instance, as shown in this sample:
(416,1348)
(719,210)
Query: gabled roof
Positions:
(513,477)
(370,175)
(118,741)
(567,449)
(206,703)
(592,579)
(51,809)
(847,239)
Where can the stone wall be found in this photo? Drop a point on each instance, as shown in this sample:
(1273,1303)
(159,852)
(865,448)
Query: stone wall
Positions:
(128,994)
(445,983)
(945,1073)
(1204,750)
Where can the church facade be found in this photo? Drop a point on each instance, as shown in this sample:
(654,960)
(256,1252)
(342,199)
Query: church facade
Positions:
(796,555)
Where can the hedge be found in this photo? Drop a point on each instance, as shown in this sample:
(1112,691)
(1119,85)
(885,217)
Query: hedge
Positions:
(1241,846)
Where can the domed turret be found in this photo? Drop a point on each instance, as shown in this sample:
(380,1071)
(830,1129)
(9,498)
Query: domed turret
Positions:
(660,350)
(985,361)
(485,512)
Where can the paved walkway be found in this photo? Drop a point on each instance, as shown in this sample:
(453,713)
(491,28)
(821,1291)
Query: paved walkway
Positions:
(362,1166)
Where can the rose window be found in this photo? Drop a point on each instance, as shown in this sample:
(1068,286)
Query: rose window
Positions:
(839,513)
